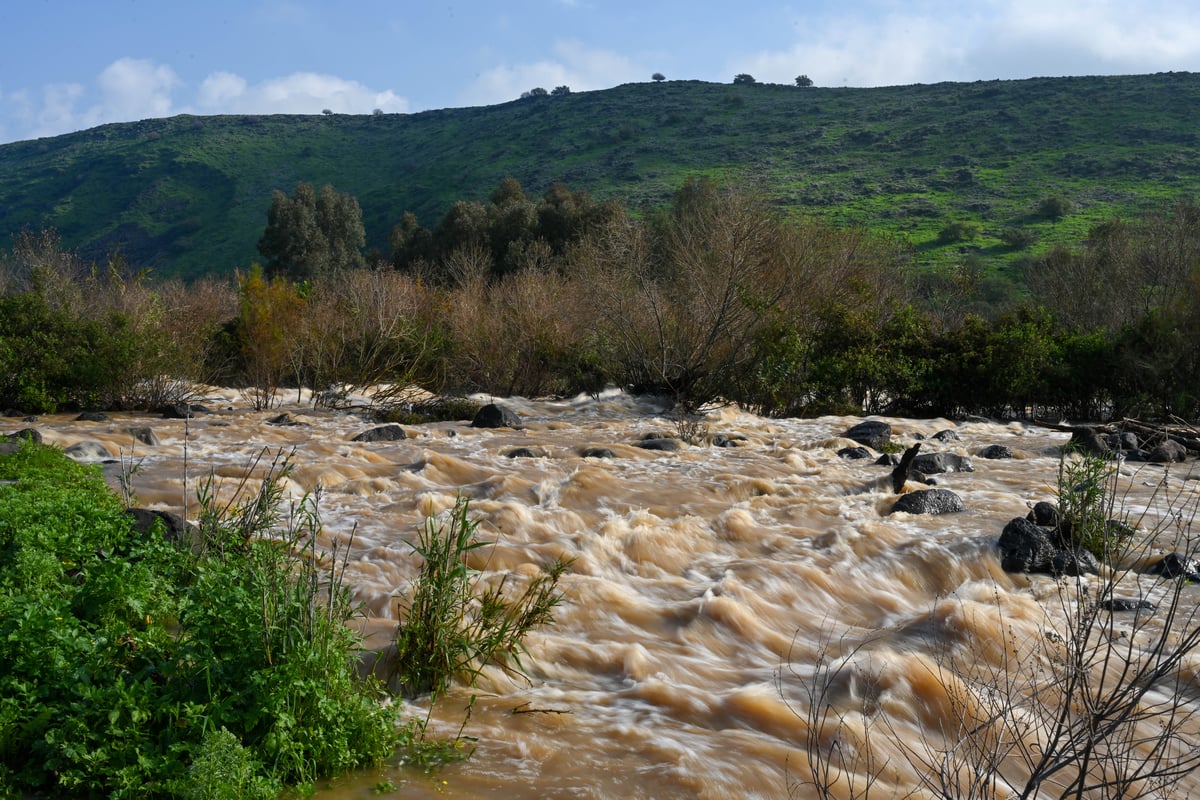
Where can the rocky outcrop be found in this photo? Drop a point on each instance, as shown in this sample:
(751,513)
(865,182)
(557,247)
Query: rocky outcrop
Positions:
(872,433)
(494,415)
(929,501)
(1040,542)
(996,451)
(383,433)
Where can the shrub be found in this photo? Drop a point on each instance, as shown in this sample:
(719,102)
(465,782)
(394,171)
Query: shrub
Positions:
(955,232)
(449,631)
(1054,207)
(133,666)
(1018,238)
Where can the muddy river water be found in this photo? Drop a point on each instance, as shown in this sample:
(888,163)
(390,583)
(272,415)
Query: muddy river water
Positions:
(704,584)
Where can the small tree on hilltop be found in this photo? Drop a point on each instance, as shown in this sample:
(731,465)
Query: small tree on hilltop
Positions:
(560,90)
(803,81)
(744,79)
(658,77)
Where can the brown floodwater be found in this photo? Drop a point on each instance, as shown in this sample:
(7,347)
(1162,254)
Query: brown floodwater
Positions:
(706,587)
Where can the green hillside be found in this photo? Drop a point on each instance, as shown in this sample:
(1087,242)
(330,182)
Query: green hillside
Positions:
(188,195)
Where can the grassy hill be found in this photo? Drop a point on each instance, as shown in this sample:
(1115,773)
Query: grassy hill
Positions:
(188,195)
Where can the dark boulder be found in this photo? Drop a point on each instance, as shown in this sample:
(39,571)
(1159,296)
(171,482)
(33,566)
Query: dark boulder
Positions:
(384,433)
(929,501)
(26,433)
(888,460)
(1086,440)
(664,444)
(1026,547)
(174,527)
(946,436)
(144,435)
(88,451)
(1175,565)
(937,463)
(1127,604)
(854,453)
(496,416)
(1170,450)
(872,433)
(520,452)
(996,451)
(597,452)
(285,420)
(904,468)
(725,440)
(1123,440)
(92,416)
(1074,561)
(183,410)
(1044,514)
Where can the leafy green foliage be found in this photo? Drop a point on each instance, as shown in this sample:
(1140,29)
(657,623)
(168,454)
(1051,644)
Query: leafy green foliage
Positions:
(449,630)
(312,233)
(134,667)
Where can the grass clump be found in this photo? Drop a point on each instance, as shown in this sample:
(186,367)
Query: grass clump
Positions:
(131,666)
(451,627)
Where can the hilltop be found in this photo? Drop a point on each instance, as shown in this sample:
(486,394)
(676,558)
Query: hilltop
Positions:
(188,195)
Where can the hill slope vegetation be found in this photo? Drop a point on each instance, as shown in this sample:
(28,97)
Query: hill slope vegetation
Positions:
(954,168)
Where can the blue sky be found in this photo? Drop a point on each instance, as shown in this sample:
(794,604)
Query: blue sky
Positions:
(72,64)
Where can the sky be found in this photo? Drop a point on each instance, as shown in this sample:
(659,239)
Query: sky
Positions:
(67,65)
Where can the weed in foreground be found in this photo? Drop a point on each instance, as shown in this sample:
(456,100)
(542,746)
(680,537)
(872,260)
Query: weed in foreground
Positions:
(448,630)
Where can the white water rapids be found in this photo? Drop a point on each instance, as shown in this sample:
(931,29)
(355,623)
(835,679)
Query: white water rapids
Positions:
(704,584)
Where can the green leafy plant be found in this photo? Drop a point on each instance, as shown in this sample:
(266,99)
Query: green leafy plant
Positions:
(450,628)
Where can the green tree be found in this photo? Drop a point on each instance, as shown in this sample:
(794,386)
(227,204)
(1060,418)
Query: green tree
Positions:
(803,81)
(658,77)
(312,233)
(743,78)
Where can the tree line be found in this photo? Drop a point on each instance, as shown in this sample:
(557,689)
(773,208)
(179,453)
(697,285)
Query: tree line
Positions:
(715,297)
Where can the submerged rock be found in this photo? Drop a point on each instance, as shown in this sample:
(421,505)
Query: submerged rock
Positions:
(996,451)
(854,453)
(494,415)
(597,452)
(937,463)
(665,444)
(384,433)
(873,433)
(930,501)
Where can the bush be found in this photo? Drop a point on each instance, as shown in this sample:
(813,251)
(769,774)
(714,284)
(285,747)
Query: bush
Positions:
(446,630)
(133,666)
(1018,238)
(1053,208)
(955,232)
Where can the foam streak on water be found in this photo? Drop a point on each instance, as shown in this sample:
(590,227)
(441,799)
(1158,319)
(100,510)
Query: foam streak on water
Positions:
(705,585)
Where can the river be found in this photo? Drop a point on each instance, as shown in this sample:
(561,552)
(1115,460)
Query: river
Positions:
(704,587)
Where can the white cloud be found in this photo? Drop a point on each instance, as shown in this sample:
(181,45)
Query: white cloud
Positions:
(133,88)
(572,64)
(298,93)
(935,41)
